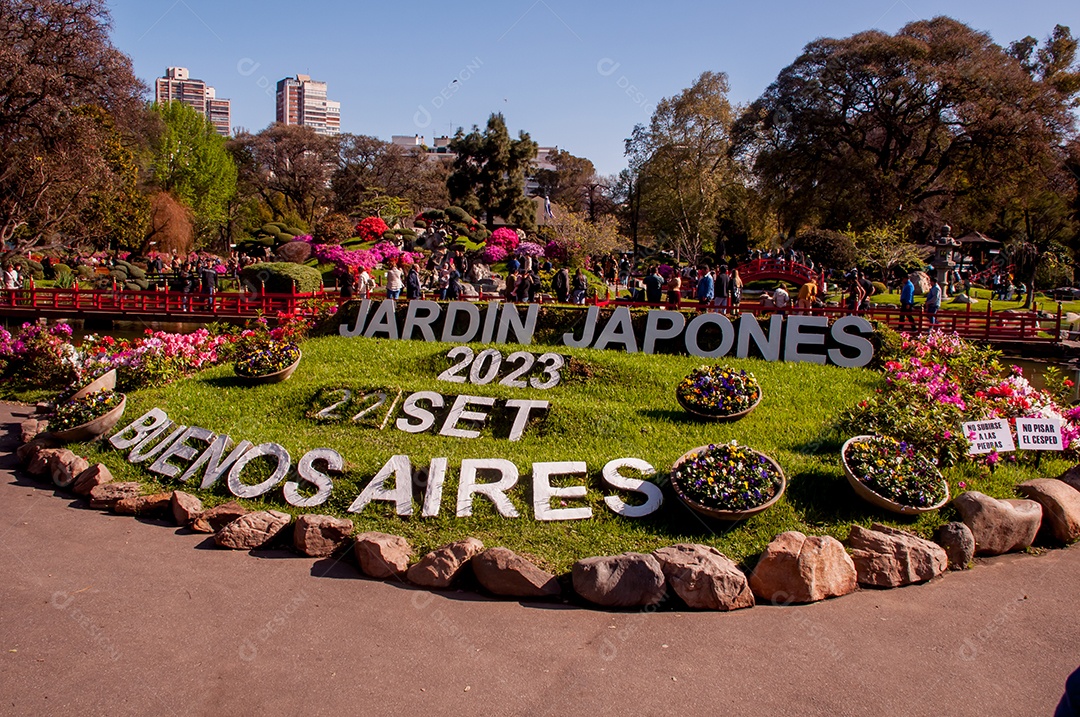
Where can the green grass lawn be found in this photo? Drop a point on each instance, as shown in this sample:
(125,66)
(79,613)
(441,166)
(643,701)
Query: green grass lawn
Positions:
(610,405)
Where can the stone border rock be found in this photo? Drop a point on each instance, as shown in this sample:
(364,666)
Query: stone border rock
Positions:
(794,568)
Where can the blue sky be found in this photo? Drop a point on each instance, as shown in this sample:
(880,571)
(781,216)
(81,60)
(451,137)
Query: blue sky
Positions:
(573,73)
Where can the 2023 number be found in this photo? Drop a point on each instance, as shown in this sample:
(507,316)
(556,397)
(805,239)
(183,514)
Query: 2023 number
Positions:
(483,368)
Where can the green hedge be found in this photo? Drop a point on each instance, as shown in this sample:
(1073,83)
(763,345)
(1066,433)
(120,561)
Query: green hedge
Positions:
(281,277)
(61,269)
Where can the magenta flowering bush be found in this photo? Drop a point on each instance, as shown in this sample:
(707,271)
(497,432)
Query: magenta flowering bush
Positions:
(493,254)
(528,248)
(154,360)
(935,382)
(505,238)
(556,252)
(39,356)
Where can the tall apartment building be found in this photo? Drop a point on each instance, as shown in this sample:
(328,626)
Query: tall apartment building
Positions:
(302,101)
(178,86)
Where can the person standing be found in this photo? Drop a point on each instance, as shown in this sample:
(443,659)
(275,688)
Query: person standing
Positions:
(674,289)
(11,281)
(579,288)
(453,286)
(394,283)
(208,279)
(705,286)
(781,298)
(856,294)
(560,284)
(365,283)
(654,286)
(348,287)
(412,284)
(907,304)
(933,300)
(736,289)
(722,290)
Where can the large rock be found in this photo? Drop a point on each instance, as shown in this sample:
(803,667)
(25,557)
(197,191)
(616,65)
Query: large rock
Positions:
(105,496)
(92,477)
(29,429)
(253,530)
(1060,506)
(186,508)
(798,569)
(626,580)
(158,503)
(888,558)
(959,544)
(26,452)
(318,536)
(504,572)
(1071,476)
(999,526)
(40,460)
(216,518)
(438,568)
(65,467)
(921,280)
(382,555)
(704,577)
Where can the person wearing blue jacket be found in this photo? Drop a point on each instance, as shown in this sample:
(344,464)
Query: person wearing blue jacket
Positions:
(907,304)
(705,285)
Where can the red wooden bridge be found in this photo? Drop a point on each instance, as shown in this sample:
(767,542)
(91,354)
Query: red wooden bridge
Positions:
(980,324)
(778,270)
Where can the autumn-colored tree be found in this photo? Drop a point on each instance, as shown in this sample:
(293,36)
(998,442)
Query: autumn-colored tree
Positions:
(56,61)
(288,167)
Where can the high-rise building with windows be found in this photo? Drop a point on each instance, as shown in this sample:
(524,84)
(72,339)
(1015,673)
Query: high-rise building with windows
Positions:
(178,86)
(302,101)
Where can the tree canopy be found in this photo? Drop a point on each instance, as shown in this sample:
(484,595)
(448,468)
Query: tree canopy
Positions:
(191,162)
(489,173)
(877,128)
(56,152)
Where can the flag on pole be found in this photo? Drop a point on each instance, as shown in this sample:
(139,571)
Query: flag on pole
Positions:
(547,208)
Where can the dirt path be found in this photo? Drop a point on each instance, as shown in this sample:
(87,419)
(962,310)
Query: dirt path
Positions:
(107,615)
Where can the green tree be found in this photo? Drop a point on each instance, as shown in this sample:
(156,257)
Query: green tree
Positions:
(884,250)
(683,166)
(190,161)
(877,128)
(489,174)
(570,183)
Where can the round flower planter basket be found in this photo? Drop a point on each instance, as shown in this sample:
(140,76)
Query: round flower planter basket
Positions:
(104,382)
(881,501)
(698,413)
(94,429)
(719,513)
(276,377)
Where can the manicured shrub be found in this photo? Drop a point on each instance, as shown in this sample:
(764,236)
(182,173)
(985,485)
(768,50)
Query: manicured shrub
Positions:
(59,269)
(296,252)
(282,277)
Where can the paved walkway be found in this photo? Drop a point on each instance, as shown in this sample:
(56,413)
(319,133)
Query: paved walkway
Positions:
(108,615)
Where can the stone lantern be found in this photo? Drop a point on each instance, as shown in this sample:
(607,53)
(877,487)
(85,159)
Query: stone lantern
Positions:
(944,250)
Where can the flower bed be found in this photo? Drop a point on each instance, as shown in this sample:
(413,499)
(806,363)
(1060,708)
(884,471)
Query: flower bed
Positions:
(266,360)
(719,392)
(893,475)
(78,411)
(727,481)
